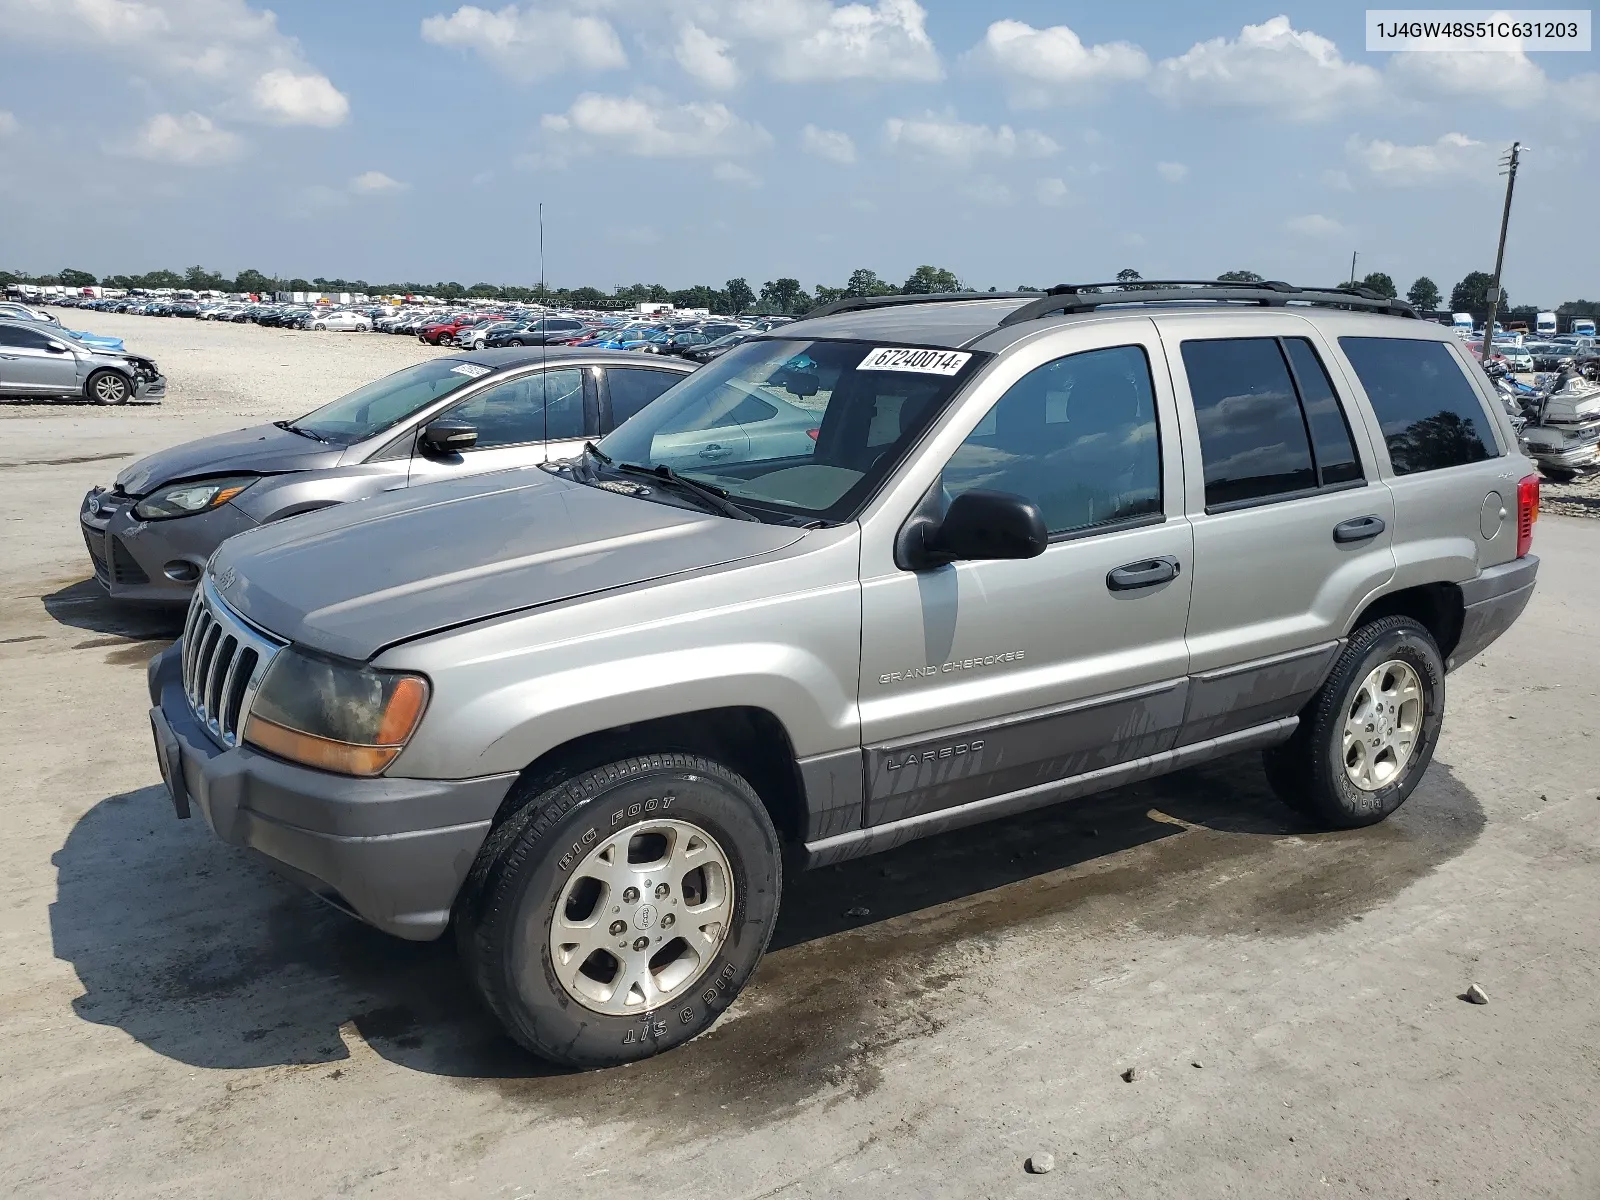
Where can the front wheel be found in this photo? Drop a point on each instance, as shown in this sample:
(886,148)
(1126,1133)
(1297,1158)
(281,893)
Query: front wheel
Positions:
(109,387)
(1367,736)
(617,913)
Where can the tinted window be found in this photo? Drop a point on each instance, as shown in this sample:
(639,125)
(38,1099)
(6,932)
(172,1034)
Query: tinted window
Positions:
(1429,413)
(545,406)
(632,388)
(10,335)
(1076,436)
(1252,438)
(1330,432)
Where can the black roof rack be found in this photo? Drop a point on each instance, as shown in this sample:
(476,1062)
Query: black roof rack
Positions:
(1086,297)
(858,303)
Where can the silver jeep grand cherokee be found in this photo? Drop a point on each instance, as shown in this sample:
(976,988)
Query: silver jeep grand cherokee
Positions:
(1023,548)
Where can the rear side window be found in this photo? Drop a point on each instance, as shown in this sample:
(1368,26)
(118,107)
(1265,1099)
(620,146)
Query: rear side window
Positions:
(1270,423)
(1430,414)
(1252,437)
(634,387)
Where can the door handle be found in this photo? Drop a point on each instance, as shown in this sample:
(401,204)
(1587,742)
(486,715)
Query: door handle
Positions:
(714,450)
(1358,529)
(1143,574)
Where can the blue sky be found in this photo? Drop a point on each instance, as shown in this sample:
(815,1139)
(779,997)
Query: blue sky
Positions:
(688,141)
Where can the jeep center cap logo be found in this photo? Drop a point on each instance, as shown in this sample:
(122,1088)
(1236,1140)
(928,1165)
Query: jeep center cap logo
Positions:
(645,916)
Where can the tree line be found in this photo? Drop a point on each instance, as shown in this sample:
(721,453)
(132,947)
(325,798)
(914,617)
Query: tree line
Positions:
(777,296)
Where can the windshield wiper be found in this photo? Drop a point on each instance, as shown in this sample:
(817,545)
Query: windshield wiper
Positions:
(713,497)
(293,428)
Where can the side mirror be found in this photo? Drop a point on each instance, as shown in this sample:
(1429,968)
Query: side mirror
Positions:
(983,524)
(449,435)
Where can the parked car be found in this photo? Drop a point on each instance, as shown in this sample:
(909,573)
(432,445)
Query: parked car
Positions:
(717,348)
(544,331)
(345,322)
(150,533)
(47,361)
(1517,358)
(1038,547)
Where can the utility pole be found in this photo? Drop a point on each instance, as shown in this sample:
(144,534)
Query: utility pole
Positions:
(1352,268)
(1509,162)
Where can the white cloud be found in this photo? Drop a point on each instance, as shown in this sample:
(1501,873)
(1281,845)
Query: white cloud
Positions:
(285,98)
(1039,65)
(1051,192)
(645,126)
(1273,67)
(727,172)
(706,58)
(8,123)
(814,40)
(1453,155)
(828,143)
(530,42)
(985,189)
(1316,225)
(1507,77)
(1172,172)
(946,138)
(190,140)
(376,182)
(223,50)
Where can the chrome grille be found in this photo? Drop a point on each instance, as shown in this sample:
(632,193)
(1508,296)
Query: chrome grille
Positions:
(224,662)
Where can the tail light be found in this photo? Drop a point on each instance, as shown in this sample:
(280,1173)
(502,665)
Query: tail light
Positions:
(1527,512)
(814,434)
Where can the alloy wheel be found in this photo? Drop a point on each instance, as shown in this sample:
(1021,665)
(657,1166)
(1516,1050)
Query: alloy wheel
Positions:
(642,917)
(1381,725)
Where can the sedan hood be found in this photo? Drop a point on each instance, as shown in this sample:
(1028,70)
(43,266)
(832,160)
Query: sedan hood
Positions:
(354,579)
(261,449)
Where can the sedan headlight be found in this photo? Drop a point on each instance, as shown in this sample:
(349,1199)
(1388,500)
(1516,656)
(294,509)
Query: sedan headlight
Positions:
(186,499)
(335,716)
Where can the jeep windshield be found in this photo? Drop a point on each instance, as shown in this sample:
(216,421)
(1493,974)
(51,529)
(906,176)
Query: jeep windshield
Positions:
(794,430)
(371,409)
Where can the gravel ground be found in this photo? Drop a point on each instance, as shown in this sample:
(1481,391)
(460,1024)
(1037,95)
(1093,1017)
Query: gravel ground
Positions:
(177,1022)
(245,370)
(1580,498)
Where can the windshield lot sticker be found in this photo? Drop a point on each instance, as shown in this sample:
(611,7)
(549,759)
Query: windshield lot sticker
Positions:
(472,369)
(923,362)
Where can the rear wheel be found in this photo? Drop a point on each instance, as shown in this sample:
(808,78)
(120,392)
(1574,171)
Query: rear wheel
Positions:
(1368,735)
(108,387)
(619,912)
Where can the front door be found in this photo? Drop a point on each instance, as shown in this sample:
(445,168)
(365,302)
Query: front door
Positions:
(1293,528)
(28,364)
(981,679)
(533,418)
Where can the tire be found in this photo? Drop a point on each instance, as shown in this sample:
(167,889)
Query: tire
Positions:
(1314,773)
(108,387)
(543,864)
(320,326)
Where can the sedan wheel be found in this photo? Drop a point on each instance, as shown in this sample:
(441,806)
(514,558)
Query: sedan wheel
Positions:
(109,387)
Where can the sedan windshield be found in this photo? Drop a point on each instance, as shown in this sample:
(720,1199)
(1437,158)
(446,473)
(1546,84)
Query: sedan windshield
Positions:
(798,428)
(371,409)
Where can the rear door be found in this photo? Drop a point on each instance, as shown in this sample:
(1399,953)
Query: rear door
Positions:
(528,419)
(1293,525)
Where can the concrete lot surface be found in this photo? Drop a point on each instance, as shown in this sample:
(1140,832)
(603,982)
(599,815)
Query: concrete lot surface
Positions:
(176,1022)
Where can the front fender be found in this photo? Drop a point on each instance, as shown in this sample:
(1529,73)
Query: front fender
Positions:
(280,496)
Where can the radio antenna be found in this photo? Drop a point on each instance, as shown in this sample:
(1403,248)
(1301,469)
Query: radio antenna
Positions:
(544,340)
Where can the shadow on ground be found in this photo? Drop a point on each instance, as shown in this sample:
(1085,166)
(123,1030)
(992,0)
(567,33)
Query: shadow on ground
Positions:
(85,605)
(200,953)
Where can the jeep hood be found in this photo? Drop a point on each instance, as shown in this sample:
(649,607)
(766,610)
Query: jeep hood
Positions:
(259,450)
(356,578)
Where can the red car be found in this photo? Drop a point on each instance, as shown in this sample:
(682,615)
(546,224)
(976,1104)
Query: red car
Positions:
(443,331)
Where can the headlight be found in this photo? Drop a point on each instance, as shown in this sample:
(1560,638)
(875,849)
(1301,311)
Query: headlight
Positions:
(335,716)
(186,499)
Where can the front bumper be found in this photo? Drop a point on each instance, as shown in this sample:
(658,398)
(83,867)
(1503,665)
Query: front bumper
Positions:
(1575,458)
(152,560)
(393,852)
(1493,601)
